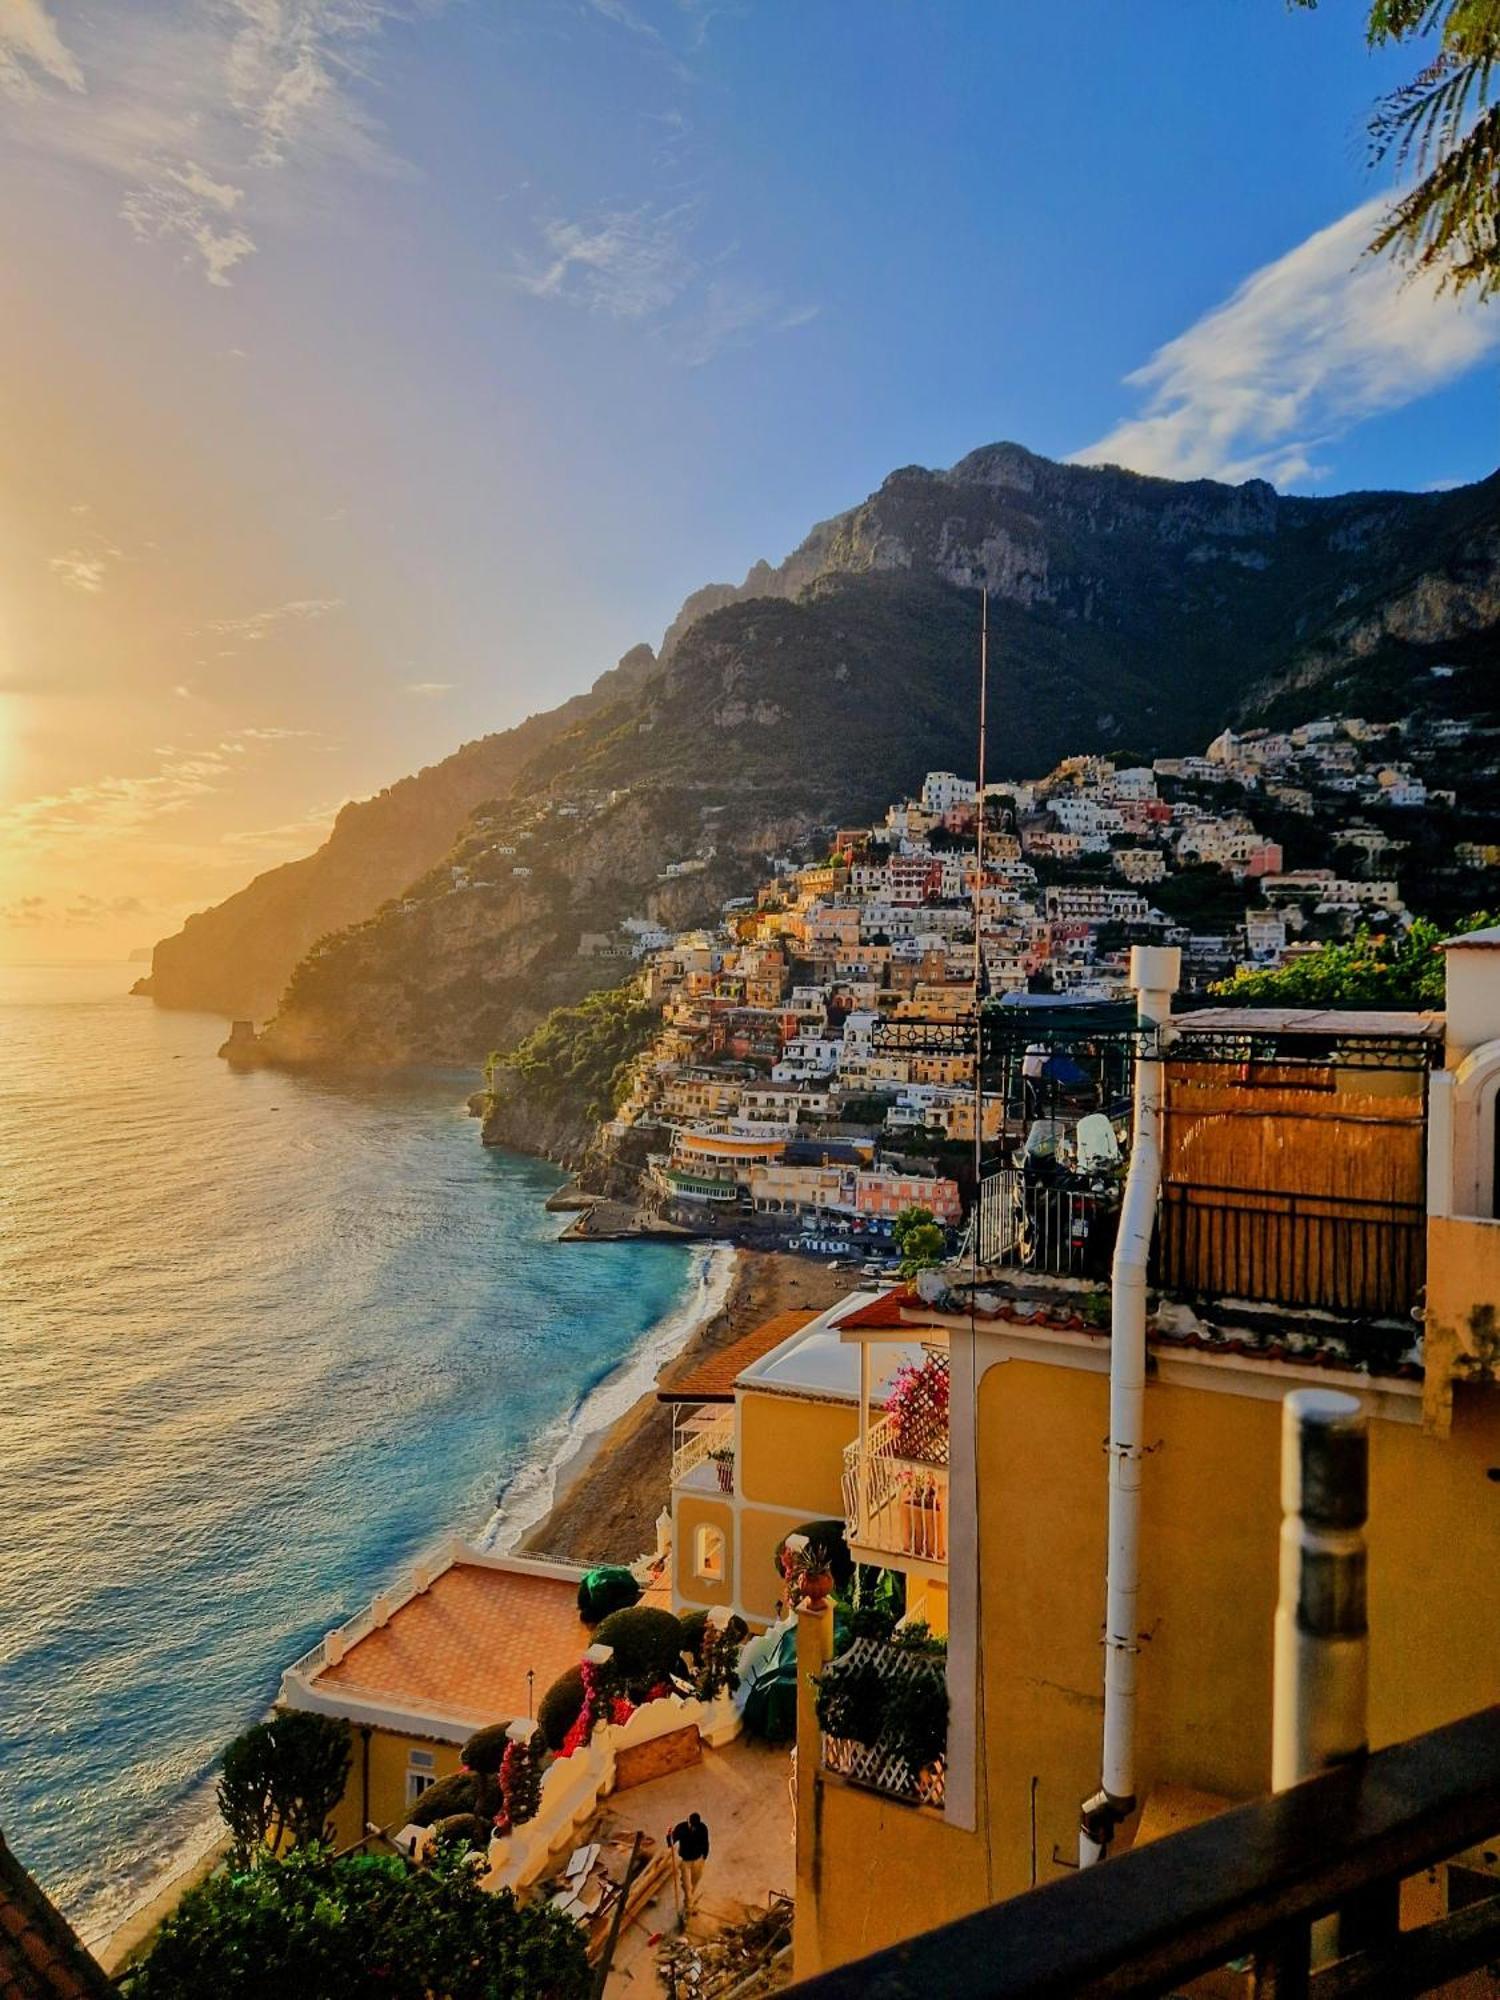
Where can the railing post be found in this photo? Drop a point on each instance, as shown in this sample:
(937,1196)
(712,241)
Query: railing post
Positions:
(1322,1637)
(1320,1713)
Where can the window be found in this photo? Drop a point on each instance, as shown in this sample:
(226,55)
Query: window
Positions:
(708,1555)
(420,1773)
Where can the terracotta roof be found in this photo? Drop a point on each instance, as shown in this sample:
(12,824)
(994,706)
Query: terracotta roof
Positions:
(712,1381)
(464,1646)
(40,1956)
(885,1309)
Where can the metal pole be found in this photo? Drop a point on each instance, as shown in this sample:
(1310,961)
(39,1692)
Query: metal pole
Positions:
(1319,1716)
(979,981)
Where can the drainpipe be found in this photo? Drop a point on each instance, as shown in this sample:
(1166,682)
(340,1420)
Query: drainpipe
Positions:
(1154,974)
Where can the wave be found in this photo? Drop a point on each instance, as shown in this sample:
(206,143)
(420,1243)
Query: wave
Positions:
(529,1496)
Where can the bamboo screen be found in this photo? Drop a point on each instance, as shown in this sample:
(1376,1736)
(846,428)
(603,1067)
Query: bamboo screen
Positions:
(1299,1187)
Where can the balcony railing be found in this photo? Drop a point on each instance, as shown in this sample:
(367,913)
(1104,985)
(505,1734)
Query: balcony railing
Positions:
(1053,1228)
(1249,1883)
(888,1764)
(894,1505)
(698,1445)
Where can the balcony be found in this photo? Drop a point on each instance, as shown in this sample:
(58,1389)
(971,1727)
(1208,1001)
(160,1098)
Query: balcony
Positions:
(1248,1884)
(892,1700)
(895,1505)
(703,1450)
(1063,1228)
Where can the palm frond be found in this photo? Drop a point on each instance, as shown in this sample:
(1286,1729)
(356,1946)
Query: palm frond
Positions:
(1450,222)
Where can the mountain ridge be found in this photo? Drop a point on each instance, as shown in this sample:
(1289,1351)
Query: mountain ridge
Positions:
(1127,611)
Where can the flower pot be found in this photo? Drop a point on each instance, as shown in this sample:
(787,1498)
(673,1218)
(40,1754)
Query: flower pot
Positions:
(814,1588)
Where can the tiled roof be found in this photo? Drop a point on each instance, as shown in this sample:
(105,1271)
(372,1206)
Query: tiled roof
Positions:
(885,1309)
(712,1381)
(40,1957)
(464,1646)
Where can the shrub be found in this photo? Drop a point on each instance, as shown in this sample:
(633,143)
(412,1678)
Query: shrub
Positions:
(315,1927)
(916,1717)
(560,1707)
(456,1794)
(462,1830)
(646,1644)
(485,1749)
(693,1625)
(851,1700)
(604,1591)
(871,1621)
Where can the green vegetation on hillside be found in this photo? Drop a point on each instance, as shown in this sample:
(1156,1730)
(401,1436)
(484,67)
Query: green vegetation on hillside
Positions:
(1373,969)
(579,1058)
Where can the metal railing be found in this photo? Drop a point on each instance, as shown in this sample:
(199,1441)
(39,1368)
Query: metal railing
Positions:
(894,1504)
(1340,1252)
(1247,1884)
(1038,1226)
(697,1439)
(884,1765)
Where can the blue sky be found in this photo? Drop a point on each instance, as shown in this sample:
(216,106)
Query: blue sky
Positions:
(382,369)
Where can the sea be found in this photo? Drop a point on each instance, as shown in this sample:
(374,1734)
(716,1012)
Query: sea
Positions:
(263,1337)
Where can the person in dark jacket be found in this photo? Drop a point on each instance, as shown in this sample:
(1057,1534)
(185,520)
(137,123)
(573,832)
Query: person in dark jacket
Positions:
(688,1841)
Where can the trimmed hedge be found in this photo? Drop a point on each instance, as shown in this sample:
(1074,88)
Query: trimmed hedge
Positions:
(456,1794)
(466,1827)
(646,1644)
(693,1625)
(560,1707)
(606,1590)
(485,1748)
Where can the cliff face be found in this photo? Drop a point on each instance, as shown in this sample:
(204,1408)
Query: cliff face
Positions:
(1130,615)
(237,957)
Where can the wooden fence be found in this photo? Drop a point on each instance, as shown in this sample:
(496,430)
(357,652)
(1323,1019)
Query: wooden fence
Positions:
(1297,1187)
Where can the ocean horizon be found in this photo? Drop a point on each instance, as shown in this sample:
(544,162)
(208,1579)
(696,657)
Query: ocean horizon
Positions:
(265,1335)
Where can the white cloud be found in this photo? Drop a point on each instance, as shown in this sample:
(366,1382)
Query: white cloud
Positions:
(196,112)
(30,43)
(729,314)
(627,263)
(430,687)
(296,836)
(255,627)
(1306,348)
(83,569)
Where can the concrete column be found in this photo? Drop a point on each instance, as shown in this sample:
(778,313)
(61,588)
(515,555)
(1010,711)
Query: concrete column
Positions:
(814,1650)
(1322,1638)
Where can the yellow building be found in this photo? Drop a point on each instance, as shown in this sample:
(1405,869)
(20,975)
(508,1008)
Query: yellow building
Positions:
(765,1432)
(1297,1153)
(466,1640)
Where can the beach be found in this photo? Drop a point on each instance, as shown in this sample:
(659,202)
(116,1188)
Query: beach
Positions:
(609,1494)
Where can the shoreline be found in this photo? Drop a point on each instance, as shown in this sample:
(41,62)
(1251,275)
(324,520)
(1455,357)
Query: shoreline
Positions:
(607,1492)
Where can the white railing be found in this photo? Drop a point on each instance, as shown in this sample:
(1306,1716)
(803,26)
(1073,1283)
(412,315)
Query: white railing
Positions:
(697,1438)
(896,1505)
(883,1765)
(423,1571)
(1036,1227)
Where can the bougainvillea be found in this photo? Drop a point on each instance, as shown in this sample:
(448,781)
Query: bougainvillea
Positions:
(917,1404)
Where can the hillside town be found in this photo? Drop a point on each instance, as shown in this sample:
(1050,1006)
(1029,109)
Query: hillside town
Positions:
(776,1098)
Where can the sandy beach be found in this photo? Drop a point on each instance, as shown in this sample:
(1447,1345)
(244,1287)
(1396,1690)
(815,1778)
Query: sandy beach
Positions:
(606,1508)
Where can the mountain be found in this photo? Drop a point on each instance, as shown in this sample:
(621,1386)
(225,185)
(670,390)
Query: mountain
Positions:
(236,958)
(1128,613)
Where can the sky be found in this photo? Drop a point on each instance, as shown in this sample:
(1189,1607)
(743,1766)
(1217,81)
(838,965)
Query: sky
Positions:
(375,372)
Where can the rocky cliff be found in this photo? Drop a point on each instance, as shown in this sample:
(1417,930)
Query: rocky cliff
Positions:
(236,958)
(1129,614)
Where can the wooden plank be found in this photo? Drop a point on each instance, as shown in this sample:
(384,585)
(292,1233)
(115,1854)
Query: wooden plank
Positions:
(678,1750)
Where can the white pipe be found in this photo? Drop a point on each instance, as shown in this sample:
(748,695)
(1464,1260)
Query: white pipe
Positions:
(1154,973)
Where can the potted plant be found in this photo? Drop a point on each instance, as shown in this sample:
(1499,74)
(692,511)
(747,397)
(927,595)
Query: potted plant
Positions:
(917,1404)
(916,1719)
(722,1460)
(851,1701)
(807,1567)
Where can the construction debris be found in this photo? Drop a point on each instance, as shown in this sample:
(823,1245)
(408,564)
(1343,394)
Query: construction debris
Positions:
(743,1961)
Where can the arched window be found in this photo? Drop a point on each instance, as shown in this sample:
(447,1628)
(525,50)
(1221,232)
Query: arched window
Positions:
(708,1554)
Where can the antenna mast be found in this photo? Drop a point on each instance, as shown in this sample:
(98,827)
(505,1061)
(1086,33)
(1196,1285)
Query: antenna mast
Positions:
(979,979)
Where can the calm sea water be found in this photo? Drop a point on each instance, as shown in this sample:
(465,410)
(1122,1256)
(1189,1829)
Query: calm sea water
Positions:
(261,1338)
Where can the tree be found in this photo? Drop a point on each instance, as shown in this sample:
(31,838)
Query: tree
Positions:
(316,1927)
(920,1238)
(282,1779)
(1444,126)
(1372,969)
